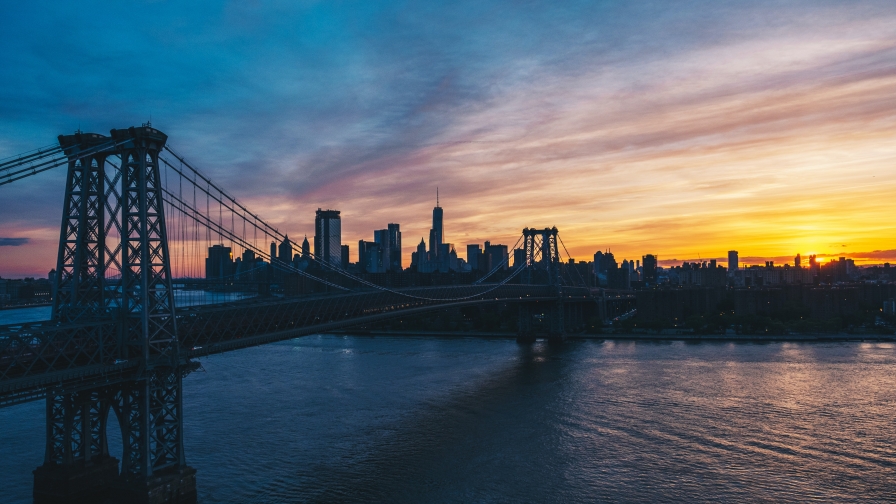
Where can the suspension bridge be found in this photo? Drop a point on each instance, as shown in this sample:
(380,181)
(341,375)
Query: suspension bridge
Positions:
(132,311)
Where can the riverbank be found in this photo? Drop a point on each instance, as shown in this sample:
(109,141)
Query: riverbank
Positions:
(645,337)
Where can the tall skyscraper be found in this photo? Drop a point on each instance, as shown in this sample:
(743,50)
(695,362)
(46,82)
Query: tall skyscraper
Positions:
(650,264)
(394,247)
(381,238)
(328,237)
(219,263)
(306,248)
(474,253)
(284,251)
(418,258)
(436,236)
(344,258)
(732,261)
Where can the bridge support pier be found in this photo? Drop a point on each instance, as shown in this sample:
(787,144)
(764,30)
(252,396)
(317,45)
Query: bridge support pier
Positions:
(557,327)
(84,482)
(525,331)
(77,466)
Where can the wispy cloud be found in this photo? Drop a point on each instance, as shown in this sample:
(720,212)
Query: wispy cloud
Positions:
(677,128)
(13,242)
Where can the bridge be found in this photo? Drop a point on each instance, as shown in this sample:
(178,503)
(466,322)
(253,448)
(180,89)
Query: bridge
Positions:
(124,332)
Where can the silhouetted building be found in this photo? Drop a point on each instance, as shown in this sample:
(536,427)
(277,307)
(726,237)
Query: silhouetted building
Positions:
(436,234)
(306,249)
(702,274)
(328,237)
(284,251)
(650,263)
(474,253)
(273,251)
(219,263)
(418,258)
(494,255)
(389,240)
(345,252)
(370,257)
(732,261)
(519,258)
(394,247)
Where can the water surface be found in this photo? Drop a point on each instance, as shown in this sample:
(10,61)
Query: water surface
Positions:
(403,419)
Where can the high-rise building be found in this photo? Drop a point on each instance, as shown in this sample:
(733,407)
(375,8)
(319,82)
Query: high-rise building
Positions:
(797,261)
(306,249)
(519,257)
(732,261)
(284,251)
(328,237)
(344,257)
(418,258)
(473,255)
(370,257)
(394,247)
(389,240)
(650,264)
(273,251)
(436,234)
(494,255)
(219,263)
(381,238)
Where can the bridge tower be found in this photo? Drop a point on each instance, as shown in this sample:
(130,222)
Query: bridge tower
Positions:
(542,258)
(147,402)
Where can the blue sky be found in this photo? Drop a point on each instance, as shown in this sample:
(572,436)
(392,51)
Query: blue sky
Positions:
(766,126)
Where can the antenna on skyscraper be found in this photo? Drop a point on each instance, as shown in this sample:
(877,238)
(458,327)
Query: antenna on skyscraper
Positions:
(437,195)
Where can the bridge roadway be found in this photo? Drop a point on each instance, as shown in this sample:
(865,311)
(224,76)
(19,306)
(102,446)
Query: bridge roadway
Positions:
(71,357)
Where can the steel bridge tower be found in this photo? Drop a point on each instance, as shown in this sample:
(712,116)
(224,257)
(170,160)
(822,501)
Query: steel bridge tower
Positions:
(541,249)
(113,266)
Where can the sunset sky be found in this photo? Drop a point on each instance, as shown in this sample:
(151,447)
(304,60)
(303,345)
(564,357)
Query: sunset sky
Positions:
(683,129)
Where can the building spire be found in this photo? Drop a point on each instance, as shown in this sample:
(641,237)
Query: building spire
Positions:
(437,195)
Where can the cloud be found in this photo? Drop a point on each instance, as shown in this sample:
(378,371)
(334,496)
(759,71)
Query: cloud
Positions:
(13,242)
(760,126)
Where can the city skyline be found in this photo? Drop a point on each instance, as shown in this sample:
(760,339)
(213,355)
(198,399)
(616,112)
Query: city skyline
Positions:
(356,256)
(765,127)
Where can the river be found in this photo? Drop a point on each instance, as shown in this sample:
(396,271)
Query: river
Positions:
(336,418)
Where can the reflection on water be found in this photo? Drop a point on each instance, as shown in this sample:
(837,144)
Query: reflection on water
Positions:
(401,419)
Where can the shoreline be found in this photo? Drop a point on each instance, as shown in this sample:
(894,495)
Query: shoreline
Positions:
(696,338)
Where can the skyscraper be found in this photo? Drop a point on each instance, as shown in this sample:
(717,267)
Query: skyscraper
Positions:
(306,248)
(284,251)
(394,247)
(473,255)
(436,236)
(418,258)
(381,238)
(344,258)
(328,237)
(650,264)
(219,263)
(732,261)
